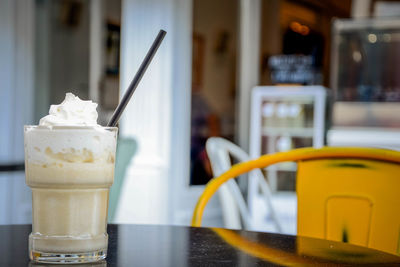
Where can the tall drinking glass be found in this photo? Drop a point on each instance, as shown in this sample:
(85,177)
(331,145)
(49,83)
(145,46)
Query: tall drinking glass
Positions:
(70,171)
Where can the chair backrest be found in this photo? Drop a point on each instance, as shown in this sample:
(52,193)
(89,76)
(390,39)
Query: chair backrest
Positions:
(350,200)
(344,194)
(234,207)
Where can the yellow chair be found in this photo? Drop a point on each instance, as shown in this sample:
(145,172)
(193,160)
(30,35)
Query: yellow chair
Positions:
(343,194)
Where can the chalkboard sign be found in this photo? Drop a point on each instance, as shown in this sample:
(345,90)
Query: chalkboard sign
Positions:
(294,69)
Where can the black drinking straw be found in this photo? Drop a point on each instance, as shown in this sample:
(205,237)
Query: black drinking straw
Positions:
(139,74)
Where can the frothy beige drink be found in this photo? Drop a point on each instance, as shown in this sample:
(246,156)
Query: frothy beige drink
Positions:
(69,163)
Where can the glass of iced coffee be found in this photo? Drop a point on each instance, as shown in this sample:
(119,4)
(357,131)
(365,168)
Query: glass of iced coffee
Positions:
(69,165)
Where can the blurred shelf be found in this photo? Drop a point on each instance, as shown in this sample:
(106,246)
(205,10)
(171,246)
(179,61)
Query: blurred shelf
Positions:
(291,131)
(287,166)
(388,138)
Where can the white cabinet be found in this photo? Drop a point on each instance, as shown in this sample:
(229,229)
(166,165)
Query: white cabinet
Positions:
(284,118)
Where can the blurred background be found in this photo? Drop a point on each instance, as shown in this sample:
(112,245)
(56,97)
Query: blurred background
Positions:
(199,85)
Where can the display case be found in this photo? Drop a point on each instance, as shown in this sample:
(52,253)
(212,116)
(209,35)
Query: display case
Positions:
(364,77)
(364,72)
(284,118)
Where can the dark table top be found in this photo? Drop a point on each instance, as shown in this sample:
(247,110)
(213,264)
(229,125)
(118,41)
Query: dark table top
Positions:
(156,245)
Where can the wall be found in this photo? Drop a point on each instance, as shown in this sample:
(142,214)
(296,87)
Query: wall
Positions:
(271,37)
(16,107)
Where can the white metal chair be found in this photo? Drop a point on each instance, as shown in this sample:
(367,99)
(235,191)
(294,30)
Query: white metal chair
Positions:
(234,207)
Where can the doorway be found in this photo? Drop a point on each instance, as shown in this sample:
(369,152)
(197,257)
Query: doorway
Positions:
(214,57)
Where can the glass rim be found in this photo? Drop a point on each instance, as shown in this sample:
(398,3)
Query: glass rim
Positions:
(70,127)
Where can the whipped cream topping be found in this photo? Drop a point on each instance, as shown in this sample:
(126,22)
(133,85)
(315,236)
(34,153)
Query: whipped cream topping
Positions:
(47,145)
(71,112)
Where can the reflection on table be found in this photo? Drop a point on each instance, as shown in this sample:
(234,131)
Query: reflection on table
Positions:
(151,245)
